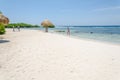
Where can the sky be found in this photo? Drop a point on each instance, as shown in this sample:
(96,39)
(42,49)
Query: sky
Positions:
(62,12)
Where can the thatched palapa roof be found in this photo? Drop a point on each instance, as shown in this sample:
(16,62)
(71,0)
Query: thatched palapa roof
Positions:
(47,23)
(4,20)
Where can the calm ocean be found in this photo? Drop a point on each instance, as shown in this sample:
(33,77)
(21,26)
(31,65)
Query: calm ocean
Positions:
(100,33)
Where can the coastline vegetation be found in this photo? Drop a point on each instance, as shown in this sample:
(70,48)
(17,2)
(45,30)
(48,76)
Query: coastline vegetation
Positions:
(22,25)
(2,29)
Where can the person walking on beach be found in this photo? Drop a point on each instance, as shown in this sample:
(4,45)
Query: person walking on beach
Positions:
(68,31)
(13,28)
(18,28)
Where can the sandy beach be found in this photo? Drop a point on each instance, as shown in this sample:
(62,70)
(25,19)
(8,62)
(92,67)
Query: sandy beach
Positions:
(35,55)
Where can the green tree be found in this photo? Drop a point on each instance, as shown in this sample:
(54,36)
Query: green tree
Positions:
(2,29)
(22,25)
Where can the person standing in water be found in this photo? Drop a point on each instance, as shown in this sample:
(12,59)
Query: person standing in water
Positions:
(68,31)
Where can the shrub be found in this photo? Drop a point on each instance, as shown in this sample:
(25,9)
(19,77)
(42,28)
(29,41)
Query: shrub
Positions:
(2,29)
(22,25)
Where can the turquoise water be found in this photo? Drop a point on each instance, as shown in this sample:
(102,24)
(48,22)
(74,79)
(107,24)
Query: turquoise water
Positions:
(109,34)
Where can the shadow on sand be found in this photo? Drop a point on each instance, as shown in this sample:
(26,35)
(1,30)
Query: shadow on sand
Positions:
(4,41)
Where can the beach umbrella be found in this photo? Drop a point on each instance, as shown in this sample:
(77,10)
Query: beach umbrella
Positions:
(47,24)
(4,20)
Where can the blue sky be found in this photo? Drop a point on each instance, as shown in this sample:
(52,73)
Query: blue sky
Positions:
(63,12)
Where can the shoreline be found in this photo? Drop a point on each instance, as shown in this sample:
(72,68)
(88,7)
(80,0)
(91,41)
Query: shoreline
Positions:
(109,35)
(86,39)
(106,40)
(74,36)
(33,55)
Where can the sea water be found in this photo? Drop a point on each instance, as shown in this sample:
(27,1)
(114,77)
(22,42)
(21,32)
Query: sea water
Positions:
(109,34)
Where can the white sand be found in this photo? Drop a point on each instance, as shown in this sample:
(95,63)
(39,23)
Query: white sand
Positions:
(34,55)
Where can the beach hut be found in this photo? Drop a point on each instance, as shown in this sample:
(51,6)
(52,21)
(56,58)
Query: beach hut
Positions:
(47,24)
(4,20)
